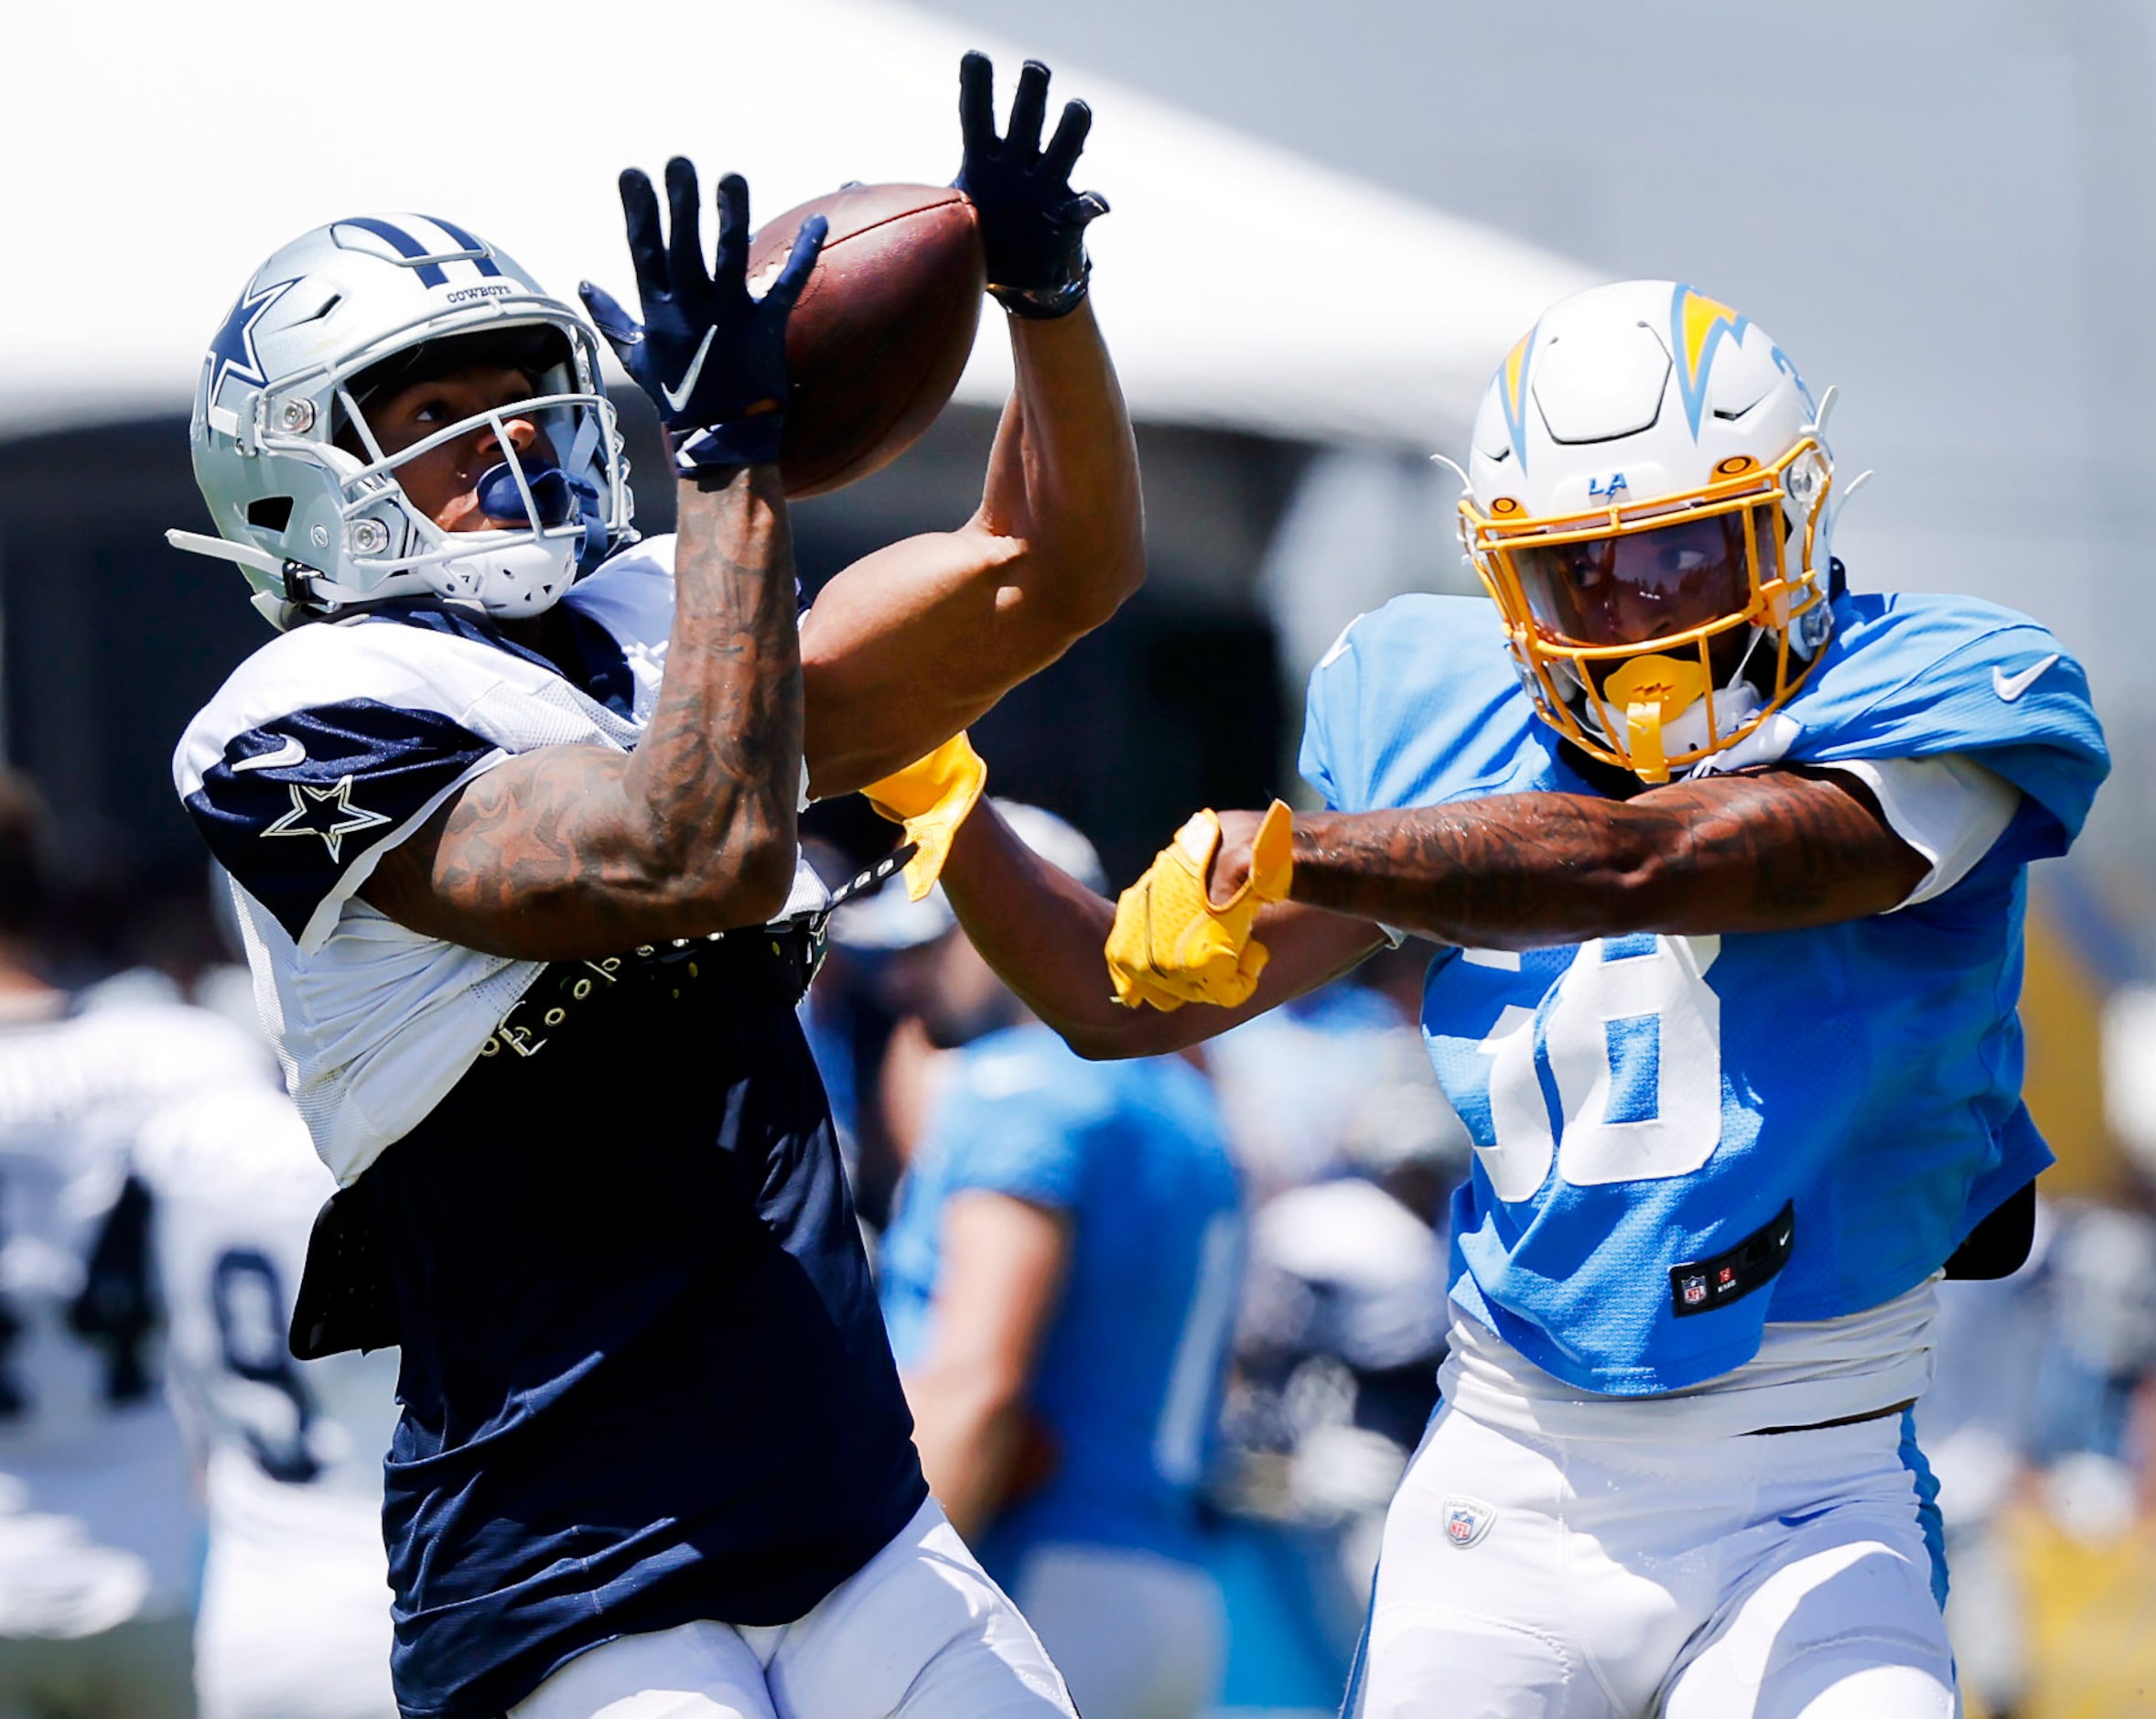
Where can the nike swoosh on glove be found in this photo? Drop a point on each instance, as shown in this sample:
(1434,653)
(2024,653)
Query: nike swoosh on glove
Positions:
(931,797)
(1170,944)
(710,358)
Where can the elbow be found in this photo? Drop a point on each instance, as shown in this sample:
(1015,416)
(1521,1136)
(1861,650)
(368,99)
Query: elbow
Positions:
(1115,1042)
(764,883)
(742,882)
(1086,584)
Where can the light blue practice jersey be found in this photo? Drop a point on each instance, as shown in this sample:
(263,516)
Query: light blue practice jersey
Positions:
(1678,1138)
(1127,1383)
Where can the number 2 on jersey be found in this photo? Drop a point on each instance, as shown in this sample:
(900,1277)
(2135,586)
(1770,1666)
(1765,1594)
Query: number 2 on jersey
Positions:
(1626,1051)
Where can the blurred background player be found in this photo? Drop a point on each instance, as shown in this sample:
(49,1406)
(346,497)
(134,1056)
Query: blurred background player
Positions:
(294,1621)
(100,1522)
(1060,1277)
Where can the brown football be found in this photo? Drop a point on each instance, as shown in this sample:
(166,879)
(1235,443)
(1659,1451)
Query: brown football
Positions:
(883,329)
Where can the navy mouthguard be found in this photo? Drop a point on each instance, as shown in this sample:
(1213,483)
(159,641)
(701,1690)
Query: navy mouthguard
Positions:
(552,494)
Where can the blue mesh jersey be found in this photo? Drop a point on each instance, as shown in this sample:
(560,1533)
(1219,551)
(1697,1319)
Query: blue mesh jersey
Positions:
(1127,1383)
(1658,1120)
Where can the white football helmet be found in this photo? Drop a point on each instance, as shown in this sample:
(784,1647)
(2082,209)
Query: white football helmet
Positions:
(1646,502)
(304,499)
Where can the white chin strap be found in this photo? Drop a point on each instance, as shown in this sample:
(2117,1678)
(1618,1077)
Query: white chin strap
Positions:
(508,579)
(1734,705)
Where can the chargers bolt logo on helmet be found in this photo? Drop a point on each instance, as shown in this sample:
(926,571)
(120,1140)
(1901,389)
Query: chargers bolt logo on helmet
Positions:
(1646,502)
(305,497)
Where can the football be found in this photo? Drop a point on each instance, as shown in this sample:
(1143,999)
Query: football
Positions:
(883,329)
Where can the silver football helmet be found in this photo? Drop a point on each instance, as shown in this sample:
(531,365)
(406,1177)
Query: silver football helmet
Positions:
(303,497)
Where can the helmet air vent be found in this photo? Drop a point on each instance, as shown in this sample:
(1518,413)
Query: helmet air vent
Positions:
(270,512)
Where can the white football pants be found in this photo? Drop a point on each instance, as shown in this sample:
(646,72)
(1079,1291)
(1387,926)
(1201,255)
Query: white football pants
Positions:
(918,1632)
(1135,1637)
(1778,1577)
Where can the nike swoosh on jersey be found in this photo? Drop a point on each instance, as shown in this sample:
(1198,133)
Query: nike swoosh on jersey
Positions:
(676,397)
(292,752)
(2011,686)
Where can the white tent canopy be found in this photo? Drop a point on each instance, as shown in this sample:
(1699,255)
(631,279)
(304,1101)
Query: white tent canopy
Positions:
(158,152)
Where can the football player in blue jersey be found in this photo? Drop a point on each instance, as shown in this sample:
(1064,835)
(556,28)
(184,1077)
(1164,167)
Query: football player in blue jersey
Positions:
(1061,1278)
(510,812)
(1726,866)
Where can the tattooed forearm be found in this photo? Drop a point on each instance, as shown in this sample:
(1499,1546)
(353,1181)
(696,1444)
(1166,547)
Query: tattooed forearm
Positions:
(1772,850)
(572,852)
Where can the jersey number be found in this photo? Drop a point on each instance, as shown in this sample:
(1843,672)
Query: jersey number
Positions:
(1617,1077)
(247,1298)
(115,1312)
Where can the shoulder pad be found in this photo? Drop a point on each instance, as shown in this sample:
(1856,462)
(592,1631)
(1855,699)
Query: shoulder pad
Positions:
(1911,676)
(1418,703)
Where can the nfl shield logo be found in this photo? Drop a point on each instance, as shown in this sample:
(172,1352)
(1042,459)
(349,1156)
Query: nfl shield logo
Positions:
(1695,1289)
(1467,1521)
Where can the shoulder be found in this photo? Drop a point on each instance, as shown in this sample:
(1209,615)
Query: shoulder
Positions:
(230,1141)
(363,672)
(1029,1066)
(1919,677)
(632,593)
(328,745)
(1415,703)
(127,1054)
(178,1047)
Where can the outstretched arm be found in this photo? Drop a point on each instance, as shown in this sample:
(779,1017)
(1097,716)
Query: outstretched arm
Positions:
(1042,931)
(909,645)
(1767,850)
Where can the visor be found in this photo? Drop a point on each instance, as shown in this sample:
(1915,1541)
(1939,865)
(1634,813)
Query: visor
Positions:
(1638,586)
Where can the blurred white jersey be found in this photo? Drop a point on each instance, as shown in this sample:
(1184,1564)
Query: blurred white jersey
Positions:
(294,1617)
(99,1523)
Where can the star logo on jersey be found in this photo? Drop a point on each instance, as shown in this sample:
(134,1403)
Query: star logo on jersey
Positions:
(325,812)
(232,353)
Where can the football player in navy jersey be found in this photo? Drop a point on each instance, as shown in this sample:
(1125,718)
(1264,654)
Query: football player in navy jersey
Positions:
(510,808)
(1726,867)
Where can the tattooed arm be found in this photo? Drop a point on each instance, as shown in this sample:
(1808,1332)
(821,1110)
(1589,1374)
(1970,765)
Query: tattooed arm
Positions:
(1768,851)
(1043,930)
(575,851)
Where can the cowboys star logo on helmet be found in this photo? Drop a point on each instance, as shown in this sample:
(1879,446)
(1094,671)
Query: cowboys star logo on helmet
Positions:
(1646,502)
(303,494)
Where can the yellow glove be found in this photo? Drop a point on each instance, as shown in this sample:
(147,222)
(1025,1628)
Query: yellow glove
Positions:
(1170,946)
(930,797)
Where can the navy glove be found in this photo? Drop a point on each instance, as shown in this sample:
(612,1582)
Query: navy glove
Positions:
(712,359)
(1032,224)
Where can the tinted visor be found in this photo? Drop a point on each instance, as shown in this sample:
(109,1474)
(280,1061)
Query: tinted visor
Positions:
(1645,585)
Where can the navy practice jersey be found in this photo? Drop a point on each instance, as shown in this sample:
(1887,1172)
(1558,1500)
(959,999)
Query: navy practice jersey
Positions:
(334,742)
(1677,1139)
(643,1375)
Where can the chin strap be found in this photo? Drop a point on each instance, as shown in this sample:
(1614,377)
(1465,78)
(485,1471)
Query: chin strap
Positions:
(1653,692)
(280,586)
